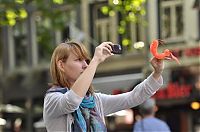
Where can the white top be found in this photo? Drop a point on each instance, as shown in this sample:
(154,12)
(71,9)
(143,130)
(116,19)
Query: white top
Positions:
(58,107)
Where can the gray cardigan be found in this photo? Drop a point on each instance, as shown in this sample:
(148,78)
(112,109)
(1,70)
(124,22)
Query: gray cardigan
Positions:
(58,107)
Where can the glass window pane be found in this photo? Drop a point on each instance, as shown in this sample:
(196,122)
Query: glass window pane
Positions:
(44,39)
(99,39)
(179,20)
(20,40)
(166,23)
(108,33)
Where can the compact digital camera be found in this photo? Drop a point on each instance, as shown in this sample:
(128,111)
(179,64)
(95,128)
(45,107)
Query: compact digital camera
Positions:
(116,49)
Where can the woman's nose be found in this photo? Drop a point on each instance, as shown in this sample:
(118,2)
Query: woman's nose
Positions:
(85,64)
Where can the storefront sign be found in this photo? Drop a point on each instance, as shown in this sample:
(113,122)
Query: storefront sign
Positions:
(189,52)
(174,90)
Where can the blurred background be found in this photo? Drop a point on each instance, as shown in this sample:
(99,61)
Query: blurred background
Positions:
(30,30)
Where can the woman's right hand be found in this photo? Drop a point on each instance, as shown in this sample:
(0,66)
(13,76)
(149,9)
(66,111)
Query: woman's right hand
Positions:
(102,52)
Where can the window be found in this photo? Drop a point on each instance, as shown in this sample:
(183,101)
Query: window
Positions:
(171,17)
(21,44)
(51,32)
(102,24)
(1,53)
(44,38)
(106,28)
(102,30)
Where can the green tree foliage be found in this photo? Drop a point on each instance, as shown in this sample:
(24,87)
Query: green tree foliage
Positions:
(129,11)
(50,15)
(12,11)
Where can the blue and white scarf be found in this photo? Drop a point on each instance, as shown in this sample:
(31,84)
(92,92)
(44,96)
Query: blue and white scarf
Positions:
(86,118)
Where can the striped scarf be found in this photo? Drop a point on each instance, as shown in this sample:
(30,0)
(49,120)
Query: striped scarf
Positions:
(86,118)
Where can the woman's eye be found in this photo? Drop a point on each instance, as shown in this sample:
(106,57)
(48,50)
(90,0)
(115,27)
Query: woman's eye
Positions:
(87,61)
(78,59)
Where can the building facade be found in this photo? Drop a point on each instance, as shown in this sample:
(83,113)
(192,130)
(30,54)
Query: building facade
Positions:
(178,23)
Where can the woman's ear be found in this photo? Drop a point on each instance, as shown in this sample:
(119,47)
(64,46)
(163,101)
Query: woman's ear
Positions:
(60,65)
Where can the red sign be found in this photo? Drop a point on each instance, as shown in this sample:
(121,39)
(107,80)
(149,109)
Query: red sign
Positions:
(174,90)
(187,52)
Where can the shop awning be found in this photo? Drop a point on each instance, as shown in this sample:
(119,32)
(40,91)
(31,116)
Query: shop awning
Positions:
(109,83)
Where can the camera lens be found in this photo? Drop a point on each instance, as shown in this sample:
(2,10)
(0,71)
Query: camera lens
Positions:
(116,49)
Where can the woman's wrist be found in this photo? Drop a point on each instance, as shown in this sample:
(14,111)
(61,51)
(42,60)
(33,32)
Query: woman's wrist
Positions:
(95,61)
(157,74)
(158,71)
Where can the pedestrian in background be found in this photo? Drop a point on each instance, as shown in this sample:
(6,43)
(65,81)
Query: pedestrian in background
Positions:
(149,122)
(71,103)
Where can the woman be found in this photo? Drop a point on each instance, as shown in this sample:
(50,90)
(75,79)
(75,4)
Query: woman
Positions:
(71,103)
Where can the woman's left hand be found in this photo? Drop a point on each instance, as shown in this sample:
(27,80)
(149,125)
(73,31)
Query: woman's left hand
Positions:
(158,66)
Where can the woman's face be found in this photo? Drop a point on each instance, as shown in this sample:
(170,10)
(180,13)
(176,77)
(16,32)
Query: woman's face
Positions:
(73,67)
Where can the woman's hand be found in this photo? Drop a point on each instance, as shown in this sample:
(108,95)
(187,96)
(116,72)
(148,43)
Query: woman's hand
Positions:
(102,52)
(158,66)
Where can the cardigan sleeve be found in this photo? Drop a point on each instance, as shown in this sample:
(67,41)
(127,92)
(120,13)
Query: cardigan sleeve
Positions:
(57,104)
(144,90)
